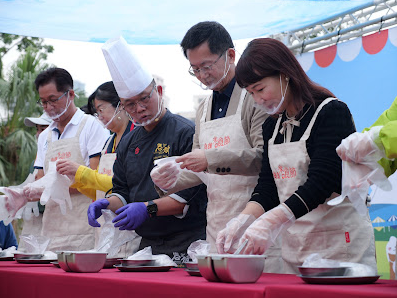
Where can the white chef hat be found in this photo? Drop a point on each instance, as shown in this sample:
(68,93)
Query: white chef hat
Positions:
(129,76)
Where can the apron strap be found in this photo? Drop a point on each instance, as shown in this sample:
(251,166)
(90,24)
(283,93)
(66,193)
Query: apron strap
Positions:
(310,126)
(81,126)
(241,101)
(206,103)
(107,144)
(239,107)
(275,132)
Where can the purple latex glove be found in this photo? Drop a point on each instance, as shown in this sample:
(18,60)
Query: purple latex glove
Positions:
(95,211)
(130,216)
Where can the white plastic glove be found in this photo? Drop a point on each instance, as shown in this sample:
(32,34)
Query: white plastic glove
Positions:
(14,199)
(265,230)
(32,191)
(227,239)
(356,180)
(31,207)
(361,147)
(166,173)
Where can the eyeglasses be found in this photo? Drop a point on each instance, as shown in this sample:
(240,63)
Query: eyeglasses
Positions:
(195,71)
(100,111)
(50,101)
(130,107)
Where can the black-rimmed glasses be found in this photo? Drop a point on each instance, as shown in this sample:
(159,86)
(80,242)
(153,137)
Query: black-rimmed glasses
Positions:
(130,107)
(50,101)
(196,71)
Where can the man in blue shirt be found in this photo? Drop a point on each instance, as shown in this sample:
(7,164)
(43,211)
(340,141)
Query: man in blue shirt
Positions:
(7,236)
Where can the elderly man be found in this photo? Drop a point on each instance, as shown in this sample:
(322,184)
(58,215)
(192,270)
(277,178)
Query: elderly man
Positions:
(168,224)
(228,138)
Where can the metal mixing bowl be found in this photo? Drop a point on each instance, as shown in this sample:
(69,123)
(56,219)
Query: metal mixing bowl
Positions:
(87,262)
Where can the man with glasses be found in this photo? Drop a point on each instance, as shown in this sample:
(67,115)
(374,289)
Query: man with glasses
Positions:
(74,136)
(228,139)
(168,224)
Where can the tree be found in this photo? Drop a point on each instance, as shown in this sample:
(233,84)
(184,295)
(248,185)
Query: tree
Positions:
(18,97)
(21,43)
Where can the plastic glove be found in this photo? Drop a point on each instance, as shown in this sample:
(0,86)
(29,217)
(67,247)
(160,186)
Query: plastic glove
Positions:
(14,199)
(166,173)
(32,193)
(358,147)
(356,180)
(227,239)
(131,216)
(95,211)
(265,229)
(31,207)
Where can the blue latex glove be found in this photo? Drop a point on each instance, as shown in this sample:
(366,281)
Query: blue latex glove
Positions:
(94,211)
(131,216)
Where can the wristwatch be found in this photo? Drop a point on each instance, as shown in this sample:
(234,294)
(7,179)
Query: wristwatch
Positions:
(152,208)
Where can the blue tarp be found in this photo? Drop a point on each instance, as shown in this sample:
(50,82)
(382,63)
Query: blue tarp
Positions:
(160,22)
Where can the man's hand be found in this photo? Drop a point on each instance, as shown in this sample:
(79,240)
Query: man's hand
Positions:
(194,161)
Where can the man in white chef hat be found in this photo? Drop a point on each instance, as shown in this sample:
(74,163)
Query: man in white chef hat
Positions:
(168,224)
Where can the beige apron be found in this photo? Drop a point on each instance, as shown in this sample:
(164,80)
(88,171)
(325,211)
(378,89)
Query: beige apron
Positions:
(227,194)
(335,232)
(105,166)
(70,231)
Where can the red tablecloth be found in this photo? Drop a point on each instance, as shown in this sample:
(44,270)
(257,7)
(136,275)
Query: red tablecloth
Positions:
(41,280)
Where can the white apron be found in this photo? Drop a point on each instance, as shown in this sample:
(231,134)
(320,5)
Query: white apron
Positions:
(105,166)
(227,194)
(335,232)
(70,231)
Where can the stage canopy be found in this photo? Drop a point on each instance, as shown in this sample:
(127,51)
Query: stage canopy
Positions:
(161,22)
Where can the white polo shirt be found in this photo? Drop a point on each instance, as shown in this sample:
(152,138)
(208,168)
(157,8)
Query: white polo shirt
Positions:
(92,137)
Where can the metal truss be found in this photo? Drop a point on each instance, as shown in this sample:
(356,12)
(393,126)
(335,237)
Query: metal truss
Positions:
(363,20)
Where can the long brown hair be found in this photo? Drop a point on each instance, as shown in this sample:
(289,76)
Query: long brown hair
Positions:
(265,57)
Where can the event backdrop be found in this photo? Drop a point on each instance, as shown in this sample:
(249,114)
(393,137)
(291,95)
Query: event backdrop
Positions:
(362,73)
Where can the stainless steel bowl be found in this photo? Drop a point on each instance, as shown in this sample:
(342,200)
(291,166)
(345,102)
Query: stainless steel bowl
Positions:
(192,265)
(206,268)
(62,261)
(323,271)
(238,268)
(87,262)
(126,262)
(231,268)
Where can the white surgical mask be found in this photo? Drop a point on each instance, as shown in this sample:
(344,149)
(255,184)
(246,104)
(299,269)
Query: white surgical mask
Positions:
(272,106)
(213,85)
(116,112)
(63,112)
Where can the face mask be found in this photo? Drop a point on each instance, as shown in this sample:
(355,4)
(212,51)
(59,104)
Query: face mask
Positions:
(213,85)
(155,118)
(272,106)
(63,112)
(116,112)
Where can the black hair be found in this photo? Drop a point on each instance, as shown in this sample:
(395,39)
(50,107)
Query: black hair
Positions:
(61,77)
(106,92)
(215,34)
